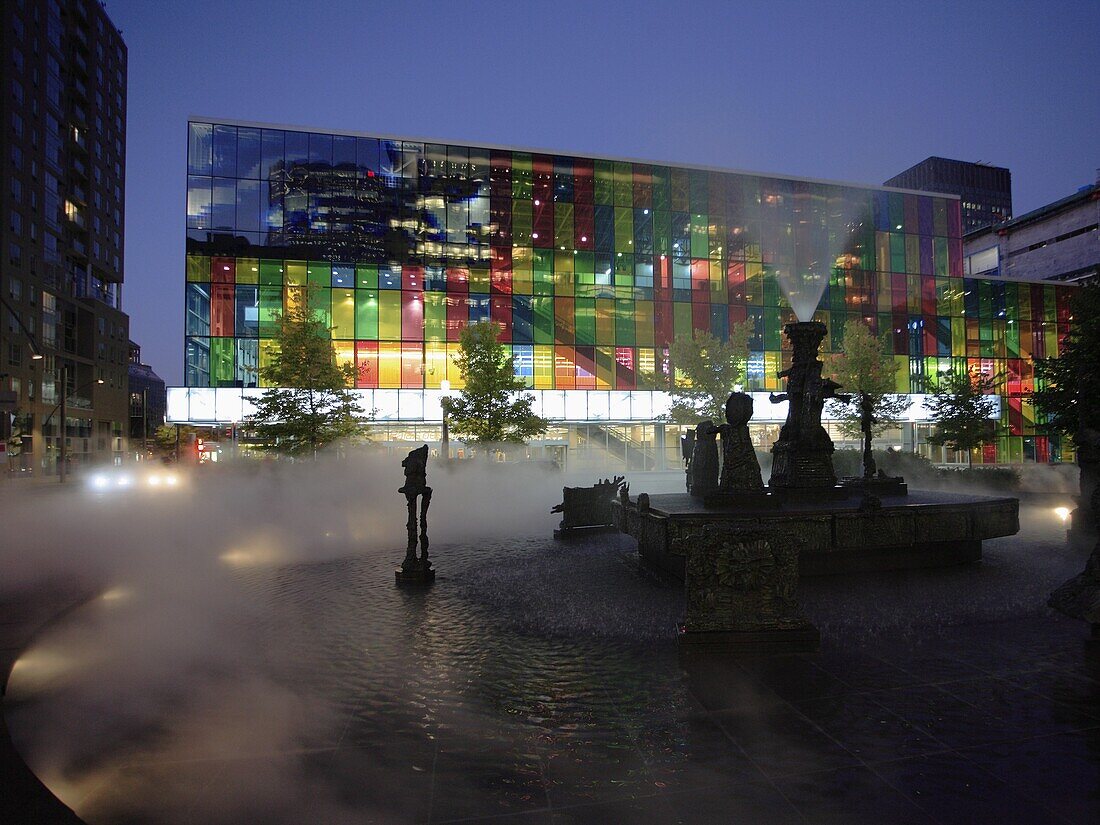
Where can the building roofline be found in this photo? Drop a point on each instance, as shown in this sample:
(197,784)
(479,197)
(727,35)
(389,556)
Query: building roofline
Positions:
(1085,193)
(545,151)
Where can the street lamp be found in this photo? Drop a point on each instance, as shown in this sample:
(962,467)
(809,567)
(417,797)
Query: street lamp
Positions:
(61,406)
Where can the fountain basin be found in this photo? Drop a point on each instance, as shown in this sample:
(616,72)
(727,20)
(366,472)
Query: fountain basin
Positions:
(919,530)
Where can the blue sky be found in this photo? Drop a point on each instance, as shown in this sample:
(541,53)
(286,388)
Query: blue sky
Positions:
(853,91)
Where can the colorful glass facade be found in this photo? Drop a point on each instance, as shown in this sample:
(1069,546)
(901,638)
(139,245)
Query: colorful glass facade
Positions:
(590,266)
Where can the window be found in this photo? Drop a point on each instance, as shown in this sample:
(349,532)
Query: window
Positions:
(16,190)
(16,124)
(15,289)
(16,222)
(15,254)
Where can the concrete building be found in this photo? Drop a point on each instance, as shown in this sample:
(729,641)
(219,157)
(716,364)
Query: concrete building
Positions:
(985,191)
(1057,243)
(62,160)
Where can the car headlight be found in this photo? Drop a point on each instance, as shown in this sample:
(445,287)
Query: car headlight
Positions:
(123,481)
(99,481)
(153,481)
(171,481)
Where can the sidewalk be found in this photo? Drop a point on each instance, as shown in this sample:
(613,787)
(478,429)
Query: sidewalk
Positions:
(23,798)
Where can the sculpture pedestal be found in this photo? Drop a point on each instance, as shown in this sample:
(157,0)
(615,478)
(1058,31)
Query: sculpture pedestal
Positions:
(876,486)
(418,574)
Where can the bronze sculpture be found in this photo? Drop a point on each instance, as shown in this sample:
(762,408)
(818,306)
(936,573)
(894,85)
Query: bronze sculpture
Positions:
(416,570)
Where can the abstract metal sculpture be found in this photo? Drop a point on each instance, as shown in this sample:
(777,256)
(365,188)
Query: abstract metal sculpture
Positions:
(416,570)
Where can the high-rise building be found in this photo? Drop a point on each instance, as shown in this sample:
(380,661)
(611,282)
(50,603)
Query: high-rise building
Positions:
(590,266)
(985,191)
(63,153)
(147,401)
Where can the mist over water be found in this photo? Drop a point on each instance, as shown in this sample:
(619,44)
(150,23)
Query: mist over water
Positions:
(247,656)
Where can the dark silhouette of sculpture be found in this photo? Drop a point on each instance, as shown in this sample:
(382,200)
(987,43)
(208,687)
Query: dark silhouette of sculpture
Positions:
(803,455)
(687,447)
(416,569)
(704,460)
(740,468)
(584,508)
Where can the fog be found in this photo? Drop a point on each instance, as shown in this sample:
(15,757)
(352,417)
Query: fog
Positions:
(193,682)
(174,622)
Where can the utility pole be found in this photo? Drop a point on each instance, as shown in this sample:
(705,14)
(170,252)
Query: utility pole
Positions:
(144,423)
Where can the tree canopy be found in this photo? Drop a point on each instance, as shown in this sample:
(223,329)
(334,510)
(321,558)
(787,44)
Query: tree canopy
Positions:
(960,408)
(865,368)
(491,408)
(309,405)
(706,371)
(1068,386)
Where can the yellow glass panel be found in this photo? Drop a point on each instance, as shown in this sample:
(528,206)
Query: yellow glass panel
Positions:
(605,321)
(295,273)
(454,375)
(198,268)
(389,365)
(294,298)
(345,357)
(248,270)
(268,350)
(343,313)
(544,367)
(643,323)
(435,364)
(479,279)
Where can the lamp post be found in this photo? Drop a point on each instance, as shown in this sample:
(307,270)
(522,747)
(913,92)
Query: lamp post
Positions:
(61,406)
(445,403)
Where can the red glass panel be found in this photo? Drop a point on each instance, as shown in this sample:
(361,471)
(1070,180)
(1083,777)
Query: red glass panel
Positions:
(412,277)
(366,364)
(928,297)
(930,346)
(582,181)
(223,270)
(412,316)
(700,279)
(501,270)
(458,280)
(221,309)
(954,218)
(955,257)
(1042,449)
(662,278)
(458,315)
(912,214)
(739,313)
(700,316)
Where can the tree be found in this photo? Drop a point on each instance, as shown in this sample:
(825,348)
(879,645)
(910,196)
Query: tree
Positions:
(489,409)
(708,368)
(865,368)
(1068,386)
(960,408)
(309,405)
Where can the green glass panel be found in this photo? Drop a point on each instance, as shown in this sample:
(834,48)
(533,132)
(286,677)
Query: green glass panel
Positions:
(624,184)
(521,176)
(585,311)
(435,316)
(271,305)
(366,313)
(604,185)
(661,199)
(897,252)
(389,315)
(624,323)
(319,273)
(221,362)
(624,229)
(295,273)
(699,235)
(681,318)
(543,310)
(366,277)
(271,273)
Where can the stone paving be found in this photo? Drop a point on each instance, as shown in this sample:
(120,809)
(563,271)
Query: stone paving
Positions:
(979,709)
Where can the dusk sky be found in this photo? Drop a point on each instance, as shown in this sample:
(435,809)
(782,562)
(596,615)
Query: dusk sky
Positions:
(854,91)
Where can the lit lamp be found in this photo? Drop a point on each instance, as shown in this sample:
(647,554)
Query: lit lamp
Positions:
(445,403)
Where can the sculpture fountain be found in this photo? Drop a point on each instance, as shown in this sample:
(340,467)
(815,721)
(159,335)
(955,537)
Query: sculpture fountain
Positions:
(739,549)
